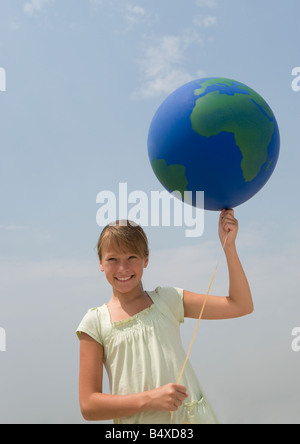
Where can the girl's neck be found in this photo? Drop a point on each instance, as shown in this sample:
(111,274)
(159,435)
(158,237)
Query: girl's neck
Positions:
(129,298)
(126,305)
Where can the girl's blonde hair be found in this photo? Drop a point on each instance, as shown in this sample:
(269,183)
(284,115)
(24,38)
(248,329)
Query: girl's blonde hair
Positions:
(125,236)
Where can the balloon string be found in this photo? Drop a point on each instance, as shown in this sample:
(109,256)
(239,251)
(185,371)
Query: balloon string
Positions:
(197,325)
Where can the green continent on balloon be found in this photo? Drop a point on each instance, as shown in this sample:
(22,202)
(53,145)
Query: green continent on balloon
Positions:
(221,82)
(171,176)
(252,136)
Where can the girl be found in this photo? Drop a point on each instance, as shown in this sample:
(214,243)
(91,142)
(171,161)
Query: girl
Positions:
(136,335)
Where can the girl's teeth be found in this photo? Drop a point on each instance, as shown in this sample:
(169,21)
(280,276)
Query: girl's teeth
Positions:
(124,279)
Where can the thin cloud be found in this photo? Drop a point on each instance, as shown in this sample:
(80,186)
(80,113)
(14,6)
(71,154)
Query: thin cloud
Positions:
(205,21)
(207,3)
(12,227)
(162,65)
(34,7)
(135,14)
(96,3)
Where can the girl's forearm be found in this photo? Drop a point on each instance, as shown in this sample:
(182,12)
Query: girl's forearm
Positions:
(239,290)
(102,407)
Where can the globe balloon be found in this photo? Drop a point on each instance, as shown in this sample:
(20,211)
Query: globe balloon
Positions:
(215,135)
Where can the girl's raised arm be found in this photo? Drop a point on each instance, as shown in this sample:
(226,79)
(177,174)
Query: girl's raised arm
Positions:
(239,301)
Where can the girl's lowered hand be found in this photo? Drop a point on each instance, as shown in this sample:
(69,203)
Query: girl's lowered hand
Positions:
(168,398)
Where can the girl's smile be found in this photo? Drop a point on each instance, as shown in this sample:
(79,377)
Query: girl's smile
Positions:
(124,279)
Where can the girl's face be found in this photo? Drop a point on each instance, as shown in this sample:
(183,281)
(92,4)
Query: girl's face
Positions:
(123,271)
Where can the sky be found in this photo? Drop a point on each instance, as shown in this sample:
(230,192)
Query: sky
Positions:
(82,82)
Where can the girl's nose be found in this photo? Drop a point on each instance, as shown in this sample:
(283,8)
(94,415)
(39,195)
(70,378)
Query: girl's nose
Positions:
(123,266)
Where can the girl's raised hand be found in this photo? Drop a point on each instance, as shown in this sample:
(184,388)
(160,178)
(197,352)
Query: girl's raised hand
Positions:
(228,226)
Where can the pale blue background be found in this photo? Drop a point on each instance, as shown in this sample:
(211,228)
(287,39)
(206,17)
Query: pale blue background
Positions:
(84,79)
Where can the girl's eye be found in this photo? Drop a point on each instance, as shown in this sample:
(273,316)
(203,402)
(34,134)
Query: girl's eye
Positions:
(111,259)
(132,257)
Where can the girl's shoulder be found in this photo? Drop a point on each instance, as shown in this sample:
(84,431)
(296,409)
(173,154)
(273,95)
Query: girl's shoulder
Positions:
(169,293)
(172,297)
(92,323)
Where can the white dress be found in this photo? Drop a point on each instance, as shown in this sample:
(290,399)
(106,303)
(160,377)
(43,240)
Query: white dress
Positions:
(145,352)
